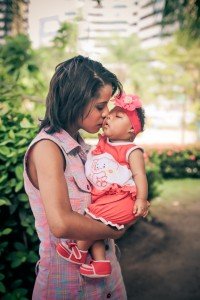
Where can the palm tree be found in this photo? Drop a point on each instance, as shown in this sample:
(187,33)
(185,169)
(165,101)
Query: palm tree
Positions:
(186,13)
(15,16)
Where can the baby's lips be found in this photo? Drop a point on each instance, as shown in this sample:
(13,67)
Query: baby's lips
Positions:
(105,123)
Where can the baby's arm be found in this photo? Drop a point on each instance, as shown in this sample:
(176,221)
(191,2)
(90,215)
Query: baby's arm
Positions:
(137,167)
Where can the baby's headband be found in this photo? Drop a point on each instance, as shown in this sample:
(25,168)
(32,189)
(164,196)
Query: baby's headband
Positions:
(129,103)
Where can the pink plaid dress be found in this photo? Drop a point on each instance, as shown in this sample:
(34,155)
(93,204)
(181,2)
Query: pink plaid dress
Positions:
(57,278)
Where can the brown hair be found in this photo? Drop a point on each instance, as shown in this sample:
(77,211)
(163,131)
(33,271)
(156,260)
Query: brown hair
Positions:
(74,84)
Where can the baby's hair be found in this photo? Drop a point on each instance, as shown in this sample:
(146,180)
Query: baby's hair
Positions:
(75,83)
(141,115)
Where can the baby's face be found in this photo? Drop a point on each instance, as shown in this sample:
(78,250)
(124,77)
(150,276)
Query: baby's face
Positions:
(117,125)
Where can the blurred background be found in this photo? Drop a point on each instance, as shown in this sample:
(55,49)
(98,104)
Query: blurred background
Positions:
(153,46)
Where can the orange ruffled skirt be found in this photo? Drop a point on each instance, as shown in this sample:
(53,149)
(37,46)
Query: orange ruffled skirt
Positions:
(113,206)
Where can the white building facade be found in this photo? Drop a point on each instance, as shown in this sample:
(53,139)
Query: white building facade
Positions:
(98,22)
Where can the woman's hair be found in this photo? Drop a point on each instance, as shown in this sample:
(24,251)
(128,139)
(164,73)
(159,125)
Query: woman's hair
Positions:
(141,115)
(74,84)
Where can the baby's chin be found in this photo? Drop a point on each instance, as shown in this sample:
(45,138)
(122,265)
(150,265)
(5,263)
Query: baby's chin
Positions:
(106,132)
(109,136)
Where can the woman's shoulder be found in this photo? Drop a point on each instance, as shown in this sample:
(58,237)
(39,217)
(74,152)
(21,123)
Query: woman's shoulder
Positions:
(44,147)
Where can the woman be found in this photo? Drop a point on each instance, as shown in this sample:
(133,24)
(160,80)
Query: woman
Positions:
(56,185)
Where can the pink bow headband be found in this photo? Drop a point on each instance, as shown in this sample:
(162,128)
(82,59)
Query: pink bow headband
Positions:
(129,103)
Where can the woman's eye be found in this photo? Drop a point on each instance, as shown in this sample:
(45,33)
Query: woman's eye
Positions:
(100,107)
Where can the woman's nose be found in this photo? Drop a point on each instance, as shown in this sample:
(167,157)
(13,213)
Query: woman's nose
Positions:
(105,112)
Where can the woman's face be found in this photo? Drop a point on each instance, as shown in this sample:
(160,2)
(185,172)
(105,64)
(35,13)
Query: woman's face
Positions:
(96,111)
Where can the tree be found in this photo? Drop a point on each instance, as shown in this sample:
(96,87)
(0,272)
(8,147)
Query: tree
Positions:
(186,13)
(14,15)
(178,69)
(63,46)
(178,74)
(19,60)
(66,37)
(130,61)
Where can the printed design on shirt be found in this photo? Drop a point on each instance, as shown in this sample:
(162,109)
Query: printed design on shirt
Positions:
(101,170)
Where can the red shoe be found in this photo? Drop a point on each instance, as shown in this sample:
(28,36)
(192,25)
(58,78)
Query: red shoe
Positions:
(96,269)
(70,252)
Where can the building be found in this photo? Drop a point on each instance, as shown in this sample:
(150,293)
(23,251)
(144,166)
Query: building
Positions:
(45,18)
(99,21)
(149,23)
(102,22)
(13,17)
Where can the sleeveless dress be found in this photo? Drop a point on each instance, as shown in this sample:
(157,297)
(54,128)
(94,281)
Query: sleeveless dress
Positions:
(113,188)
(57,278)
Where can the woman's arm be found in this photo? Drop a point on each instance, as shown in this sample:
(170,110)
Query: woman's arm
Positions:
(48,162)
(137,167)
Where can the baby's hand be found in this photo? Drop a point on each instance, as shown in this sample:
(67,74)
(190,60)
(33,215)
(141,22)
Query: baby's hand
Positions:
(140,208)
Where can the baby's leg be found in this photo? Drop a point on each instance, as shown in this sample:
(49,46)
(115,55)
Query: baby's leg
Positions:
(99,266)
(97,247)
(98,250)
(84,245)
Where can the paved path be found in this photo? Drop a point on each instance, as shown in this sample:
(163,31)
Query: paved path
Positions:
(162,262)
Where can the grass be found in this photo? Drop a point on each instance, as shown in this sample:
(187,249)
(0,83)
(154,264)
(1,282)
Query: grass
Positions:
(178,191)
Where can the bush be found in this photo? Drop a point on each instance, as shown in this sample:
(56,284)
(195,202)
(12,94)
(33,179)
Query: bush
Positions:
(18,241)
(154,178)
(176,161)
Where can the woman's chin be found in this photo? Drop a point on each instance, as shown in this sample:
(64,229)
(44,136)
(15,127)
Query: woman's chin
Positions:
(94,131)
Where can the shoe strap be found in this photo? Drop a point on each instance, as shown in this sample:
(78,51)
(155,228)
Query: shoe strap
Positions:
(75,251)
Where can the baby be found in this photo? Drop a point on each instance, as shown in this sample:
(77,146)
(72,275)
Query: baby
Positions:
(116,171)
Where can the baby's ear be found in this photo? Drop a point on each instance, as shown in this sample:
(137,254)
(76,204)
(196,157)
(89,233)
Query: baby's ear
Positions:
(132,134)
(131,130)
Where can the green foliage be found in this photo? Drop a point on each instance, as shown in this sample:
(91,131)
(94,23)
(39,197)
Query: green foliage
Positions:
(10,91)
(176,162)
(18,241)
(186,13)
(178,68)
(130,62)
(18,60)
(154,177)
(16,53)
(63,47)
(66,37)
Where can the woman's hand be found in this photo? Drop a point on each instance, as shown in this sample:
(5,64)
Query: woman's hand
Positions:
(120,233)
